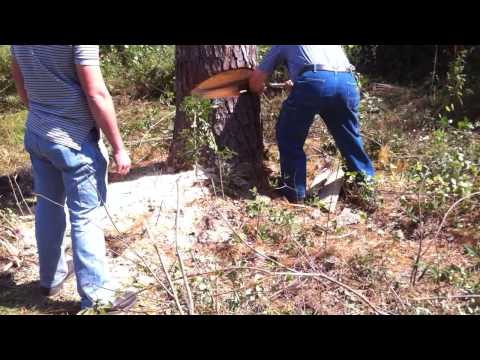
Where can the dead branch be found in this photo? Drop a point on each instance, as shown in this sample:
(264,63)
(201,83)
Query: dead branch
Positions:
(305,254)
(6,220)
(21,195)
(153,126)
(471,296)
(167,275)
(293,272)
(455,204)
(296,284)
(224,270)
(397,297)
(413,275)
(191,308)
(15,196)
(7,267)
(141,141)
(13,253)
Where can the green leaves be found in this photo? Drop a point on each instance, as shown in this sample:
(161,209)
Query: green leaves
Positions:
(448,169)
(198,135)
(140,70)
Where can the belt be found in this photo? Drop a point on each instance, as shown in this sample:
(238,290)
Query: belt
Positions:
(318,67)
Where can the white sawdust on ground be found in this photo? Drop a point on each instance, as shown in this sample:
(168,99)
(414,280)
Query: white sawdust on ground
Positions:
(151,198)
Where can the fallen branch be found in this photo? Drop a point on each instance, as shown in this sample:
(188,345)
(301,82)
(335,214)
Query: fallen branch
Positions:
(236,290)
(153,126)
(455,204)
(21,195)
(471,296)
(224,270)
(191,308)
(6,88)
(305,253)
(399,299)
(413,275)
(141,141)
(7,267)
(295,284)
(13,253)
(10,248)
(154,274)
(6,220)
(293,272)
(15,196)
(167,275)
(8,228)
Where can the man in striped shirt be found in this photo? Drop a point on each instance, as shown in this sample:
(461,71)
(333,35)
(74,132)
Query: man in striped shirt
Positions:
(68,103)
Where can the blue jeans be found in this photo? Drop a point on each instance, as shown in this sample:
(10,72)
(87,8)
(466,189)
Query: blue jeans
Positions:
(335,97)
(62,174)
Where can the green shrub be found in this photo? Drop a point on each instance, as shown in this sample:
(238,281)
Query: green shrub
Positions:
(6,82)
(448,170)
(140,71)
(11,147)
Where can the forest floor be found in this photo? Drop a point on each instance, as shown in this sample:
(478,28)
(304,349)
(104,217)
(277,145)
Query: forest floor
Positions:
(259,254)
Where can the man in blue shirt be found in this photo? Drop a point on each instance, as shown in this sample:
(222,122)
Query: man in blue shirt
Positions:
(323,83)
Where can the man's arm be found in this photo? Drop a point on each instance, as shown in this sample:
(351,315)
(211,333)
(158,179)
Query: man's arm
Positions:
(19,82)
(102,108)
(263,71)
(257,81)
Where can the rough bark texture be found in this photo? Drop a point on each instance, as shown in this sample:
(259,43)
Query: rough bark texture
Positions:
(236,122)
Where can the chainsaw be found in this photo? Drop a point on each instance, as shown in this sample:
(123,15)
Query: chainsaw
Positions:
(231,83)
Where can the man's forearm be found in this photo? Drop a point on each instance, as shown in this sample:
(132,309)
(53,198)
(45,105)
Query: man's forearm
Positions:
(19,82)
(257,81)
(103,111)
(22,94)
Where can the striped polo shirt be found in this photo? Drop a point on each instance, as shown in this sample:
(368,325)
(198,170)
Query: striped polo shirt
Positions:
(58,108)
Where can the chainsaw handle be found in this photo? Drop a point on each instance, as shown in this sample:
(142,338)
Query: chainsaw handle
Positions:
(269,85)
(277,85)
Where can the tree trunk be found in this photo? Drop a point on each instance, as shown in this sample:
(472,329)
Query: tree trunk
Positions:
(236,121)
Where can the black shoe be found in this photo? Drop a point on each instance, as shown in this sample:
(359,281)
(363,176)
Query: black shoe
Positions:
(123,303)
(296,200)
(289,194)
(56,289)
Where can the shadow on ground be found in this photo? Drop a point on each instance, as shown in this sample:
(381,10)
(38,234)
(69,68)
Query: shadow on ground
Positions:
(138,172)
(22,183)
(19,299)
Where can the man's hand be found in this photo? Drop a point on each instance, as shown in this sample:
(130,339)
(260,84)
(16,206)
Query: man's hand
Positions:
(122,162)
(257,81)
(289,85)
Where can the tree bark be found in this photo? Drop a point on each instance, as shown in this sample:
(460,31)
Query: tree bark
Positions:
(236,121)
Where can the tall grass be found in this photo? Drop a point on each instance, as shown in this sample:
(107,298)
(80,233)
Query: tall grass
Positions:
(12,154)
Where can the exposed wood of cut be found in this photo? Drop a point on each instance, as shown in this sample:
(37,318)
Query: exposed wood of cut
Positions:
(319,180)
(329,193)
(236,120)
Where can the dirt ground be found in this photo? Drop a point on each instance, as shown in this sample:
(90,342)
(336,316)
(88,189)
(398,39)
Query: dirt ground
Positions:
(262,255)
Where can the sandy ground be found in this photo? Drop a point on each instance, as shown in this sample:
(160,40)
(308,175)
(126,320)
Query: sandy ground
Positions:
(151,199)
